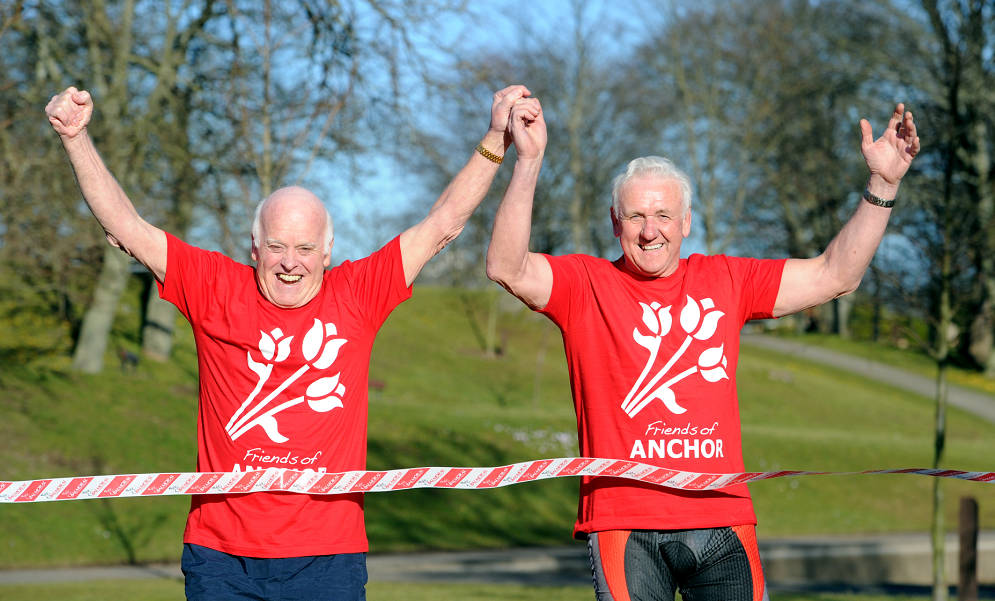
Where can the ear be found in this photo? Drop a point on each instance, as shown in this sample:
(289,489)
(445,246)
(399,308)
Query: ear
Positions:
(328,255)
(616,224)
(254,253)
(686,226)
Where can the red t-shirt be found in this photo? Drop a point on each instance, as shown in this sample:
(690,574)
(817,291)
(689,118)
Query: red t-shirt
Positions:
(282,388)
(653,371)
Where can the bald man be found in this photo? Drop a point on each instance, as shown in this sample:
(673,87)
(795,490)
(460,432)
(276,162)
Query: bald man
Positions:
(283,352)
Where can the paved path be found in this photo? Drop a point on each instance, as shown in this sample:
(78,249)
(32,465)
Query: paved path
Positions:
(859,562)
(972,401)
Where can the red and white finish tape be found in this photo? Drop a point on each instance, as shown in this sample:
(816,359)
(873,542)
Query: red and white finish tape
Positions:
(321,483)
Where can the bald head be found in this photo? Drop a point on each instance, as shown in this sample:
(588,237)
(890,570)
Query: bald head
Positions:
(291,245)
(292,198)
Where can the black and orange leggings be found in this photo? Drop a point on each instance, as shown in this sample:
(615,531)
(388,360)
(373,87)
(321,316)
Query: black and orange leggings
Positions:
(712,564)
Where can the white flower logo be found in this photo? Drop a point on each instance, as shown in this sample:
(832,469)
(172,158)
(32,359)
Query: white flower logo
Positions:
(268,346)
(691,317)
(319,394)
(313,342)
(320,349)
(711,358)
(699,322)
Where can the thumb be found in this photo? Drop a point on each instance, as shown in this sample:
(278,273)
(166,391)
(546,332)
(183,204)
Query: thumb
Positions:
(866,133)
(82,97)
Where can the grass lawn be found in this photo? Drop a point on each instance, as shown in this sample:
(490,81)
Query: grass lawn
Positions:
(171,590)
(797,415)
(443,402)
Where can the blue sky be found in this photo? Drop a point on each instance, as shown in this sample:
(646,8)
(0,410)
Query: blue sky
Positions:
(368,211)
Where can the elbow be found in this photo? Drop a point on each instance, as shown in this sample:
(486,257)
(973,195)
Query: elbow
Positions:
(117,244)
(835,288)
(492,270)
(497,270)
(441,235)
(849,287)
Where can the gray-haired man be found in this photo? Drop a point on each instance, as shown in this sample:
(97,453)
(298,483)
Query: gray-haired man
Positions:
(652,342)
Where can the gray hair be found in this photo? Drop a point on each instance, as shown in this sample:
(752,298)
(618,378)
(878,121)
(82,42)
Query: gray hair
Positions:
(257,228)
(659,167)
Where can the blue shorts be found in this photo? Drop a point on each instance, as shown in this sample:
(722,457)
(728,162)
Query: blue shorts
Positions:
(215,576)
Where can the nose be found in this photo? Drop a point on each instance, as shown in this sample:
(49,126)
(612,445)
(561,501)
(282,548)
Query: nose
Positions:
(649,230)
(289,260)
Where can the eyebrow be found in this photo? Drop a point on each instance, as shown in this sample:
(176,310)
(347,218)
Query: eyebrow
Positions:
(641,214)
(307,245)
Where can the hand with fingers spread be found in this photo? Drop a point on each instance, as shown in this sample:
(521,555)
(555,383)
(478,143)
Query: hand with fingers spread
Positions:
(889,156)
(69,112)
(528,128)
(501,107)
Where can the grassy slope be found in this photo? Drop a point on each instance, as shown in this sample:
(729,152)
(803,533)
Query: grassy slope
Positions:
(446,404)
(825,419)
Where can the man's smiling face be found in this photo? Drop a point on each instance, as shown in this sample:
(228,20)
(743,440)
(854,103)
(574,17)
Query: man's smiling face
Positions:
(650,225)
(291,254)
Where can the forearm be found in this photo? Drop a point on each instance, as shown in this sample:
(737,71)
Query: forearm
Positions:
(103,195)
(452,210)
(467,190)
(124,228)
(508,253)
(851,251)
(838,270)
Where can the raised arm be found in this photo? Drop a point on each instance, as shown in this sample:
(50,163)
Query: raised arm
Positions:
(838,271)
(69,113)
(526,275)
(461,197)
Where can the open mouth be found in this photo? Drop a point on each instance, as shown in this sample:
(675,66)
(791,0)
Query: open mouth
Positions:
(286,278)
(651,247)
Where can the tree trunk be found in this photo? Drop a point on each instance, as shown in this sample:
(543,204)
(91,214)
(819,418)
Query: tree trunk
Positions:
(843,306)
(157,332)
(981,336)
(989,363)
(492,316)
(88,356)
(826,317)
(981,327)
(939,529)
(540,360)
(876,318)
(945,337)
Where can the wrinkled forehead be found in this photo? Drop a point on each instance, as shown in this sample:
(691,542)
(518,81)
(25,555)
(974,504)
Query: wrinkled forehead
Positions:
(650,193)
(295,216)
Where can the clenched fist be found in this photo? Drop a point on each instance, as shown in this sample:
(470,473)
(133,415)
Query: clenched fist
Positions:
(69,112)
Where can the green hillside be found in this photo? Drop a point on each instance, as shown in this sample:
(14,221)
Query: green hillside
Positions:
(443,402)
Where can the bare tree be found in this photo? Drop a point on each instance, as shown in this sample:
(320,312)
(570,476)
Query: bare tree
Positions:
(574,68)
(752,97)
(131,66)
(202,104)
(296,90)
(952,221)
(964,35)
